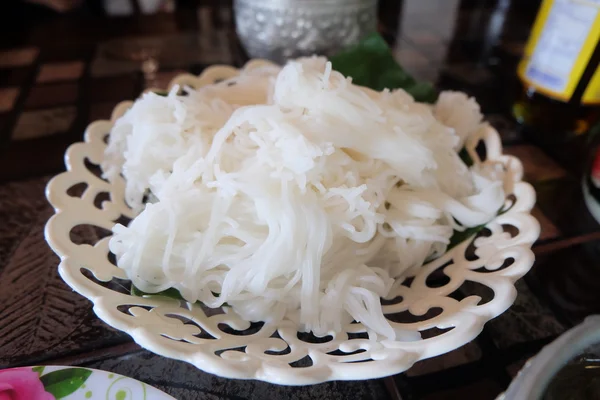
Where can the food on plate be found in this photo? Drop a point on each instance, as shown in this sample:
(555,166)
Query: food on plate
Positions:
(290,192)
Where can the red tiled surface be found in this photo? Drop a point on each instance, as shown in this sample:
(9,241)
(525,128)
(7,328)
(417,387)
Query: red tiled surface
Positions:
(65,71)
(17,57)
(8,96)
(52,94)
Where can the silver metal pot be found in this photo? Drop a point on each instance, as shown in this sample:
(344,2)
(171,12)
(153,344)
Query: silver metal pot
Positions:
(281,29)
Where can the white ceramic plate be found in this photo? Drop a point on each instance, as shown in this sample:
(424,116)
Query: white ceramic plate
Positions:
(74,383)
(220,342)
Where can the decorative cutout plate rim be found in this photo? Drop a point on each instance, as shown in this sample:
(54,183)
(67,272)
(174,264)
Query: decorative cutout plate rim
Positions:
(221,343)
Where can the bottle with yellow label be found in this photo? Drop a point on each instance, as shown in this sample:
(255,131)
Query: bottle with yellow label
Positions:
(559,95)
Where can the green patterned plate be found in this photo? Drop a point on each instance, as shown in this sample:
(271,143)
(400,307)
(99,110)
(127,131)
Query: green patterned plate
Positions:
(73,383)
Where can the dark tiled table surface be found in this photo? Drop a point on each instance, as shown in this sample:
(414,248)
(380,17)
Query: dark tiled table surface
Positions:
(60,73)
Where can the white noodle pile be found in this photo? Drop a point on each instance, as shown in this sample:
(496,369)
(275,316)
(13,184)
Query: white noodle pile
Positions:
(294,193)
(458,111)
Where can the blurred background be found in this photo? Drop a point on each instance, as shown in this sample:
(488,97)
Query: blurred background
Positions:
(65,63)
(97,52)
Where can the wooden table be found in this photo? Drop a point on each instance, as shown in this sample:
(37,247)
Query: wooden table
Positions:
(58,74)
